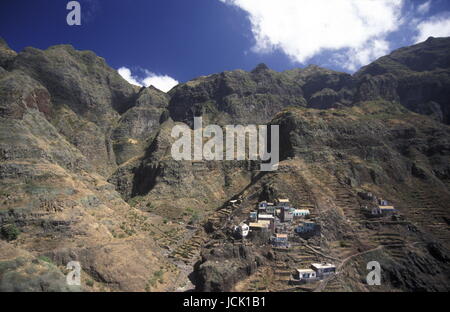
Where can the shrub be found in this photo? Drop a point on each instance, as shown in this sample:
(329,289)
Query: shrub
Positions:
(344,244)
(10,232)
(45,259)
(195,218)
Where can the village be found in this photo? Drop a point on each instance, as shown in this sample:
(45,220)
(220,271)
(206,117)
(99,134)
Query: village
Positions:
(279,223)
(290,234)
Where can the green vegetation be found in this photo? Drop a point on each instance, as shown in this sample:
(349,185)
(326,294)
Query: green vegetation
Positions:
(195,218)
(10,232)
(135,200)
(127,229)
(156,278)
(193,215)
(344,244)
(45,259)
(149,207)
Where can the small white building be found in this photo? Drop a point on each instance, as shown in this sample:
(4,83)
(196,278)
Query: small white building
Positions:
(265,217)
(301,213)
(306,275)
(383,210)
(243,229)
(323,269)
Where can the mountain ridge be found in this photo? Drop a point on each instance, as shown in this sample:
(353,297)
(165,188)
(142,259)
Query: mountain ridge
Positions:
(86,172)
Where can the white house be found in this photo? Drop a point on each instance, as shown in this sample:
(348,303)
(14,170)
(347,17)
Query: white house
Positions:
(306,274)
(265,217)
(301,213)
(243,229)
(323,269)
(383,210)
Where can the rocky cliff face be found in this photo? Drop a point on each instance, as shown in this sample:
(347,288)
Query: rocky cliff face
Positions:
(87,97)
(6,54)
(236,97)
(56,150)
(384,133)
(86,172)
(422,76)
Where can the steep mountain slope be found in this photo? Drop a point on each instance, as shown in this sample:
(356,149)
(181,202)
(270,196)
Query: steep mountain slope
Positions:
(422,73)
(86,173)
(331,159)
(62,208)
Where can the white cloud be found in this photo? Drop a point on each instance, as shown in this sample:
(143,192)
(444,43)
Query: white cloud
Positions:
(433,27)
(365,55)
(126,74)
(162,82)
(424,7)
(304,28)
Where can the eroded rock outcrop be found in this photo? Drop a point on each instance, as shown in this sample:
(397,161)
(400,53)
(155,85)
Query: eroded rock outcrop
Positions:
(222,267)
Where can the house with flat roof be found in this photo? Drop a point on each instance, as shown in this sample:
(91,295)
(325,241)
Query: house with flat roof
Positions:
(265,217)
(280,240)
(316,272)
(271,208)
(301,213)
(305,227)
(286,215)
(261,225)
(323,269)
(283,202)
(383,211)
(306,275)
(264,204)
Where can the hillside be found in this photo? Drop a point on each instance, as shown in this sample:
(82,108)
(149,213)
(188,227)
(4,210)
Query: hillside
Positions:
(86,174)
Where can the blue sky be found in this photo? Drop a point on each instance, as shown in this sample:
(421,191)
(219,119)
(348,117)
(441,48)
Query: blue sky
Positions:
(177,40)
